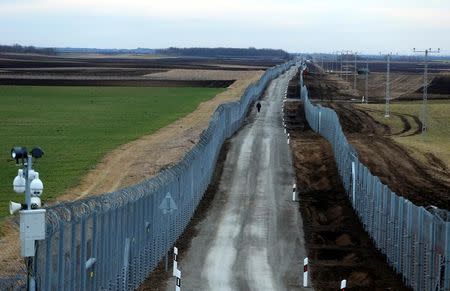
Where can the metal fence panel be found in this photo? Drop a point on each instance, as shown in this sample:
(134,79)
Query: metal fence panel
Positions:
(415,240)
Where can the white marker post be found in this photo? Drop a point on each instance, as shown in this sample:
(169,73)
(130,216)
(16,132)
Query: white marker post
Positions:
(343,285)
(288,141)
(175,261)
(178,281)
(353,183)
(305,272)
(294,192)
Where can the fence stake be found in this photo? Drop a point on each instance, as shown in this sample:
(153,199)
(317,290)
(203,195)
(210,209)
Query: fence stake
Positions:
(305,272)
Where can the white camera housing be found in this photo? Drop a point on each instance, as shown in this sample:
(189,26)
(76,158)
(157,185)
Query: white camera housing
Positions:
(19,182)
(36,186)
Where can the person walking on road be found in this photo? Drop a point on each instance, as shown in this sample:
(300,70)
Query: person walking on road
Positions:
(258,106)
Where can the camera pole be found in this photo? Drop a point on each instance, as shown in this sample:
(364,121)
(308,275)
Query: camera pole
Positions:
(27,169)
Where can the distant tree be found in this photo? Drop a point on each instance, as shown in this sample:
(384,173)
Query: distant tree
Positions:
(221,52)
(17,48)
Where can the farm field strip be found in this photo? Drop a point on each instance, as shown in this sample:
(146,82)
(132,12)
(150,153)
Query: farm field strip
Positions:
(76,126)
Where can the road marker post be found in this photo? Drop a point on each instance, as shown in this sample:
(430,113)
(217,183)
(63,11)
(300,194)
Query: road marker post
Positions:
(294,192)
(175,261)
(343,285)
(305,272)
(178,281)
(353,184)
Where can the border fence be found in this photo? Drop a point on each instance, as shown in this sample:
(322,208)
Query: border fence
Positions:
(415,240)
(113,241)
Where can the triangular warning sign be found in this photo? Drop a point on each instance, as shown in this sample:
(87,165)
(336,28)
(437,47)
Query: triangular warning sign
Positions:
(168,204)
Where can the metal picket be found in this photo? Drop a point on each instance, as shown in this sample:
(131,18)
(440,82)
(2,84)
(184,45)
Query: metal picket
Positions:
(415,240)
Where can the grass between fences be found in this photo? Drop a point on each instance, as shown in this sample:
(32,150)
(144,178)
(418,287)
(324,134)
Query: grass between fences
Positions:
(436,140)
(77,126)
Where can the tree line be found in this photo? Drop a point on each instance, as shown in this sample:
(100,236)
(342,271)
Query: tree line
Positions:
(26,49)
(225,52)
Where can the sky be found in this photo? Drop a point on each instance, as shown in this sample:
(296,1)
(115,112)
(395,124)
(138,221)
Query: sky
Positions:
(364,26)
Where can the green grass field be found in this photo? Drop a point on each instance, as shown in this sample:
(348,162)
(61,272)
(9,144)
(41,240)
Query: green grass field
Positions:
(77,126)
(436,140)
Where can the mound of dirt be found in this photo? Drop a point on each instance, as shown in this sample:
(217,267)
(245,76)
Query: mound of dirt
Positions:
(423,183)
(439,85)
(360,279)
(344,240)
(337,245)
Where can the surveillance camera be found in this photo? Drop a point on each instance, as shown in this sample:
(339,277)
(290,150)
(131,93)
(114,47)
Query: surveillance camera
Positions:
(37,153)
(19,153)
(36,186)
(19,182)
(35,202)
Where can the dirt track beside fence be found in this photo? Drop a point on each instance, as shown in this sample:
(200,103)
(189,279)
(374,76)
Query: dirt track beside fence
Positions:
(338,247)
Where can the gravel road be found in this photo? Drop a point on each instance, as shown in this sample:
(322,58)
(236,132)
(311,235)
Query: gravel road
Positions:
(252,237)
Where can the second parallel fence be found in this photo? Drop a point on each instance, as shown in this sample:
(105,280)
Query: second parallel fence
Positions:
(415,240)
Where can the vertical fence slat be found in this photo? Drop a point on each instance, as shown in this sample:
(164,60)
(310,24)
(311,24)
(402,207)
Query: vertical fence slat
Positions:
(413,244)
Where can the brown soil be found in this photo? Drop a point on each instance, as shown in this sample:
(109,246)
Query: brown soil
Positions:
(50,80)
(27,61)
(439,85)
(422,182)
(204,75)
(327,86)
(409,67)
(401,85)
(404,85)
(293,90)
(338,247)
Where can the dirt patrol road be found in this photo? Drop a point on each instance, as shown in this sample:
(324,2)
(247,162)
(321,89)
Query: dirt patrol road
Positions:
(251,237)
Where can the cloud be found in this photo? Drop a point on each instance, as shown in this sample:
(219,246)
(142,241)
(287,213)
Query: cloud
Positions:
(273,23)
(281,13)
(276,12)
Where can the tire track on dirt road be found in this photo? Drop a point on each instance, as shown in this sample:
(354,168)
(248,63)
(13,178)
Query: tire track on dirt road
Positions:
(251,237)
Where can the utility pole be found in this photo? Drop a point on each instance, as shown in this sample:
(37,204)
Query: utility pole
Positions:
(346,67)
(347,53)
(354,74)
(340,73)
(388,89)
(321,58)
(424,108)
(366,91)
(333,64)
